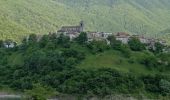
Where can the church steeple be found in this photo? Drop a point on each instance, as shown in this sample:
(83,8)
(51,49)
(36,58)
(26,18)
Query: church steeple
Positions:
(81,26)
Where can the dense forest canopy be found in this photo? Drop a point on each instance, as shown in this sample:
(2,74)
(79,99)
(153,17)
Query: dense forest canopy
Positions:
(55,65)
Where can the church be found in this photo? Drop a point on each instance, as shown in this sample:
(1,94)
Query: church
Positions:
(72,29)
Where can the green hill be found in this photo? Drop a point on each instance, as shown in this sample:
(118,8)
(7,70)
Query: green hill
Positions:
(112,59)
(55,66)
(21,17)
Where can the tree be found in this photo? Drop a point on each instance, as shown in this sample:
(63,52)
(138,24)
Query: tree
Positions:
(1,43)
(82,38)
(149,60)
(44,41)
(115,44)
(50,45)
(111,38)
(125,50)
(165,87)
(63,40)
(53,37)
(74,53)
(32,38)
(165,58)
(152,83)
(40,92)
(24,44)
(158,47)
(24,41)
(97,46)
(136,45)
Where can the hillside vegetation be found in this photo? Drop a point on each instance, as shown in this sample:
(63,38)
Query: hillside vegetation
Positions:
(56,66)
(21,17)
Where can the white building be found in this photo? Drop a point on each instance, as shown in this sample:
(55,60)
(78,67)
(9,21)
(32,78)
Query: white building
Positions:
(98,35)
(123,37)
(70,35)
(9,45)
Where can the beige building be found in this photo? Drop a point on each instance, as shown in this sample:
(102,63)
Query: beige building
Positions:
(123,37)
(98,36)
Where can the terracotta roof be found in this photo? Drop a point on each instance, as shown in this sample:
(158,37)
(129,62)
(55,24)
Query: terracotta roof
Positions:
(70,27)
(122,33)
(122,36)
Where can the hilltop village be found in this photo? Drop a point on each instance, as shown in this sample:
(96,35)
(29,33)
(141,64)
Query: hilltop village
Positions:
(74,31)
(72,61)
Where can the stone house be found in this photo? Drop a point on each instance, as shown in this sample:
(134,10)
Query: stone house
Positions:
(163,42)
(72,31)
(123,37)
(98,36)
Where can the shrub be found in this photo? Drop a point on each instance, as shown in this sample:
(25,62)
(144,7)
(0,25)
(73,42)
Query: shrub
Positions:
(136,45)
(165,87)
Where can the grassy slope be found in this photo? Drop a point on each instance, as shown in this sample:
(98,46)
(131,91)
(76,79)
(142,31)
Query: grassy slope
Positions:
(41,16)
(114,59)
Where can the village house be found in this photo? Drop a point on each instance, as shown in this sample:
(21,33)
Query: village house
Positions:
(98,36)
(72,31)
(9,44)
(106,35)
(123,37)
(150,42)
(144,40)
(163,42)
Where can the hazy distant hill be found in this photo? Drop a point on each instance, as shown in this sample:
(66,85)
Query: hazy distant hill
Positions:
(21,17)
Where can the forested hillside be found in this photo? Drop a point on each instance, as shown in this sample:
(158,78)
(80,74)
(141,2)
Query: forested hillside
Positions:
(55,66)
(21,17)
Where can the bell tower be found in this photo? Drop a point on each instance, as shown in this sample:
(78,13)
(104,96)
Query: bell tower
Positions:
(81,26)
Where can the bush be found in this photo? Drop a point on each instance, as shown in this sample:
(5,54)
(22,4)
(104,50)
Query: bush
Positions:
(149,60)
(165,87)
(152,84)
(40,92)
(131,60)
(125,51)
(97,46)
(82,38)
(136,45)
